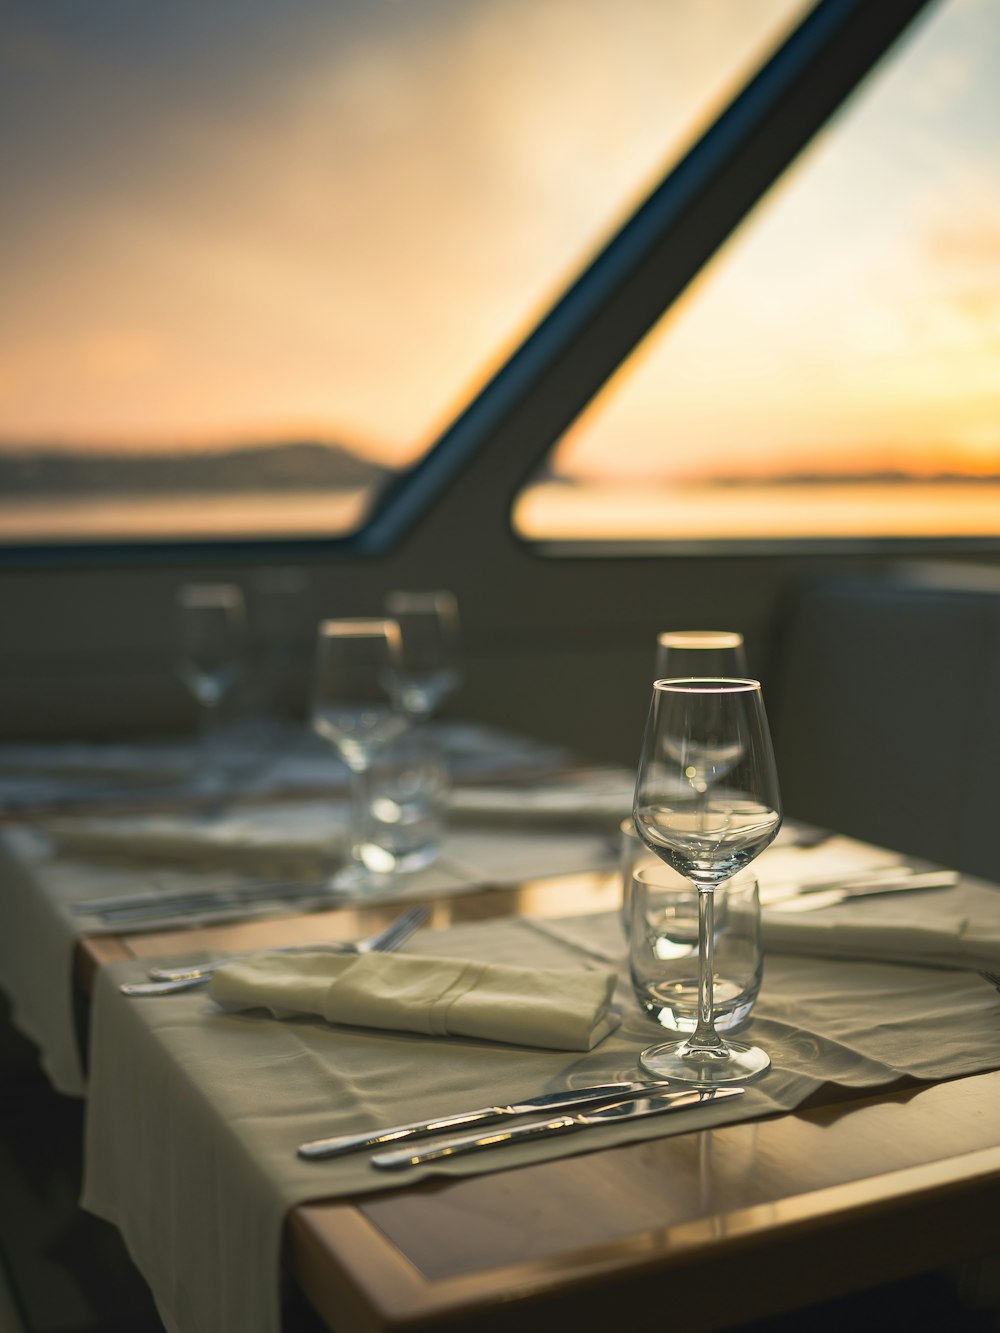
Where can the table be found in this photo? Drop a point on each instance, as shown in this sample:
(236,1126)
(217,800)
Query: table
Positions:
(736,1222)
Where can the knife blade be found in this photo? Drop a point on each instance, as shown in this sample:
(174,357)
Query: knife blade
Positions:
(633,1109)
(339,1144)
(809,898)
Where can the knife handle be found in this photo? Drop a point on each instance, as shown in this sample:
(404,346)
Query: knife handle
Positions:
(339,1144)
(472,1143)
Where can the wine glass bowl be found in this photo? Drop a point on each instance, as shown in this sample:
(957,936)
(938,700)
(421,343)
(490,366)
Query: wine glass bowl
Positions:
(707,804)
(429,642)
(700,652)
(210,634)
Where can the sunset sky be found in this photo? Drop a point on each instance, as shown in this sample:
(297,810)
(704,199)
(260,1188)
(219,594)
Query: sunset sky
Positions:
(854,321)
(237,220)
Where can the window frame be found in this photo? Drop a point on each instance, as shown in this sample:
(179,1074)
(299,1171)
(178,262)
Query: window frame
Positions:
(602,316)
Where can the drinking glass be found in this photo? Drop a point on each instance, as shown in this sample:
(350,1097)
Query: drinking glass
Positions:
(706,803)
(428,626)
(663,948)
(211,641)
(354,687)
(410,783)
(700,652)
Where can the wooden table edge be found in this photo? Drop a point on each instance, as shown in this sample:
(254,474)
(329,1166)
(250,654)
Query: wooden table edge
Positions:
(795,1250)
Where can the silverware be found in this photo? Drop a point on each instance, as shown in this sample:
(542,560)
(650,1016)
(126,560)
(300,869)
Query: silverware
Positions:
(993,978)
(811,897)
(152,905)
(339,1144)
(383,941)
(635,1109)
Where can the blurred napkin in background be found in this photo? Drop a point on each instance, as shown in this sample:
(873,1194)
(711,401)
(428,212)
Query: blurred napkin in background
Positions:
(956,927)
(278,757)
(588,796)
(301,837)
(297,839)
(783,869)
(558,1010)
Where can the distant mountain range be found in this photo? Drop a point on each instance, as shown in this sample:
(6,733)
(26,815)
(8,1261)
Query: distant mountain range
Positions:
(308,465)
(295,466)
(877,477)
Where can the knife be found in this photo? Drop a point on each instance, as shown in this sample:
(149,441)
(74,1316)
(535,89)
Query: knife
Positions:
(633,1109)
(550,1101)
(180,902)
(809,897)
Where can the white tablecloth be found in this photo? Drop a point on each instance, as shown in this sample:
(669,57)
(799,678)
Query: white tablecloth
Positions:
(194,1114)
(39,887)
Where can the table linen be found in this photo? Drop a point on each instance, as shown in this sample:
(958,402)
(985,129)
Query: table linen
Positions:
(201,1110)
(41,885)
(260,759)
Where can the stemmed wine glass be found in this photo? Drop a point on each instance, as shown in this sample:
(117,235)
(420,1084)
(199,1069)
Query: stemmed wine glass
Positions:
(428,626)
(700,652)
(706,803)
(354,687)
(211,642)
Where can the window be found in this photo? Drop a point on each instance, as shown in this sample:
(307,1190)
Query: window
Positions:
(256,254)
(833,373)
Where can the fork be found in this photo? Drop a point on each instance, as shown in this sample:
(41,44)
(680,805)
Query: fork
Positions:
(992,977)
(170,980)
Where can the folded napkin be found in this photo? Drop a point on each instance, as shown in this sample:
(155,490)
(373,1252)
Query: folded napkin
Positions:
(782,869)
(559,1010)
(590,796)
(299,839)
(955,927)
(147,762)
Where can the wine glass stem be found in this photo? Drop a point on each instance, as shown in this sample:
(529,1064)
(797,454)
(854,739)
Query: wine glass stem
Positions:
(208,743)
(360,812)
(705,1035)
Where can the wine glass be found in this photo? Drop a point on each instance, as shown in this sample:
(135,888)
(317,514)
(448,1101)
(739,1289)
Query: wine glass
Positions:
(706,803)
(354,686)
(700,652)
(428,626)
(211,641)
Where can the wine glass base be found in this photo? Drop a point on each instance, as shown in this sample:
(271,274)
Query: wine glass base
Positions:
(735,1063)
(357,881)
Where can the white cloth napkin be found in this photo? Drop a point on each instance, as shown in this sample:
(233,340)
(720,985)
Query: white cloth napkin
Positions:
(299,838)
(954,927)
(590,796)
(782,869)
(557,1010)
